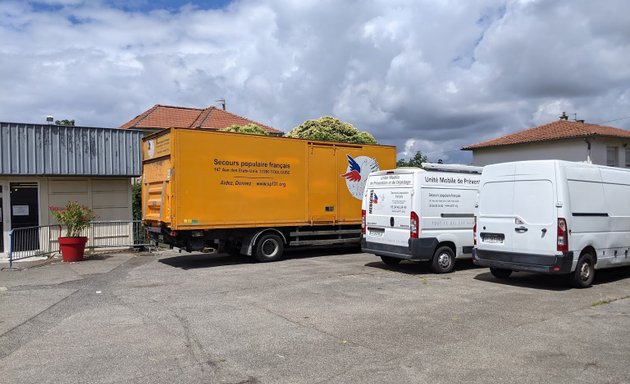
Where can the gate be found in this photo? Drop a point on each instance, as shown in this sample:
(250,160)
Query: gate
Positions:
(42,240)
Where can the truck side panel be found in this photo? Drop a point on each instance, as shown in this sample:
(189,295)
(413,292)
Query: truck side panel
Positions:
(230,180)
(225,180)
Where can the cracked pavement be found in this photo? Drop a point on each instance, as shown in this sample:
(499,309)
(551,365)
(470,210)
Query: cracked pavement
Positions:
(318,317)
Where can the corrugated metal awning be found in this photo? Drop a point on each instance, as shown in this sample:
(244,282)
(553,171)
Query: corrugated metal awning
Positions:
(53,150)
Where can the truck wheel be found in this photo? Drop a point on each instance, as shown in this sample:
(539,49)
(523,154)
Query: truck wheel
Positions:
(390,260)
(584,272)
(500,273)
(443,260)
(269,248)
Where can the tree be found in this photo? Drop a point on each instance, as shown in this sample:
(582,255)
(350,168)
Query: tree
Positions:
(69,123)
(415,161)
(328,128)
(136,200)
(251,129)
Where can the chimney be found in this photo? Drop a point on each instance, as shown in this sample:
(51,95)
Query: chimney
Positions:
(564,116)
(222,101)
(579,121)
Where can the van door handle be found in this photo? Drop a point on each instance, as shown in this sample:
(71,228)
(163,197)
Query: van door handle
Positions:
(520,229)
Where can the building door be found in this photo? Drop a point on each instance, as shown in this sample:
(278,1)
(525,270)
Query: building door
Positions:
(24,214)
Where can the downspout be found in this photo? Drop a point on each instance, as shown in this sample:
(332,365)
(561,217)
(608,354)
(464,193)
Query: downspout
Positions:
(588,147)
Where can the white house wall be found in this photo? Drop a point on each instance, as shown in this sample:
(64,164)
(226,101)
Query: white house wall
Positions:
(109,198)
(571,150)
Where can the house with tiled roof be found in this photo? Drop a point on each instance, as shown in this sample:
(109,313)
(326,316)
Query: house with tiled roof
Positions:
(563,139)
(161,117)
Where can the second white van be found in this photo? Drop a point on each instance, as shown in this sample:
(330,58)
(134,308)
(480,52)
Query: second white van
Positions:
(420,214)
(554,217)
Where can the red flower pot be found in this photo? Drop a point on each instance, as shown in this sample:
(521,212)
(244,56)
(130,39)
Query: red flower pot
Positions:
(72,248)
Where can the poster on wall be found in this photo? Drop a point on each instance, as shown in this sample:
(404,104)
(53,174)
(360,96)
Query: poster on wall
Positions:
(20,210)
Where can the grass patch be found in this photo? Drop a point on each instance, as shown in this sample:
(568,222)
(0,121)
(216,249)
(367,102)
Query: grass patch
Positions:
(608,301)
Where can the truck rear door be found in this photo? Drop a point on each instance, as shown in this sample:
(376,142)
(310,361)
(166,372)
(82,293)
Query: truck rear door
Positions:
(156,180)
(388,208)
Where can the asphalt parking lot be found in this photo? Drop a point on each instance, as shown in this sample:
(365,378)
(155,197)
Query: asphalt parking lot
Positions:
(319,317)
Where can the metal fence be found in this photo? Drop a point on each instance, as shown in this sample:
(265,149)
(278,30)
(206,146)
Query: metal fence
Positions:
(42,240)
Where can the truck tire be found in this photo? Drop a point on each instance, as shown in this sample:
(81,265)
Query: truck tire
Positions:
(390,260)
(500,273)
(584,272)
(269,248)
(443,260)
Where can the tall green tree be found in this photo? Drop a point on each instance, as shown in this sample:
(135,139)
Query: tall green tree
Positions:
(328,128)
(68,123)
(415,161)
(251,129)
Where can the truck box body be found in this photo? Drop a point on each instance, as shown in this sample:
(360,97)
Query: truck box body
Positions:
(203,180)
(544,216)
(438,201)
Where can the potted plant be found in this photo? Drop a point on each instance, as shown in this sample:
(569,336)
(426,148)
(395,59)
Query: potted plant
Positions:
(75,217)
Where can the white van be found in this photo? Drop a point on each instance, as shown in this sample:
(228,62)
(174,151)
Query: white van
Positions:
(554,217)
(420,214)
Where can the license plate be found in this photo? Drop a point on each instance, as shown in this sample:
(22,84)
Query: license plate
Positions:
(376,233)
(494,238)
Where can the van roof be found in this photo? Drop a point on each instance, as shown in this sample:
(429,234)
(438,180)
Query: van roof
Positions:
(433,167)
(547,163)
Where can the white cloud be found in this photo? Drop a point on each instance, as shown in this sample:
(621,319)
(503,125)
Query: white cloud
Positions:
(423,75)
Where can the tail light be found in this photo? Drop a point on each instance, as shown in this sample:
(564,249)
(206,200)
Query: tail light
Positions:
(563,236)
(475,232)
(172,233)
(363,221)
(414,225)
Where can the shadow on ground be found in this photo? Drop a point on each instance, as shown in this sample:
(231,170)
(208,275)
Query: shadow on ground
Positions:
(209,260)
(553,282)
(419,268)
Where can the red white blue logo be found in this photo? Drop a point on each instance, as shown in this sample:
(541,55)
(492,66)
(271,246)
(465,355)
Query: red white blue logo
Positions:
(357,172)
(374,198)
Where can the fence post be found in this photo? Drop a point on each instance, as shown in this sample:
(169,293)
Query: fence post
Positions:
(11,249)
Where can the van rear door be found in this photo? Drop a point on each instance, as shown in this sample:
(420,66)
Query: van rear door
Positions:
(494,222)
(388,208)
(518,215)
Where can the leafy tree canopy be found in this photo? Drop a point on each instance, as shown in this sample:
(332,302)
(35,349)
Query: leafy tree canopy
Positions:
(251,129)
(69,123)
(328,128)
(415,161)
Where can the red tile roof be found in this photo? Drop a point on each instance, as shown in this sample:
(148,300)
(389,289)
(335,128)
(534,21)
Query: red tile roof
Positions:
(557,130)
(166,116)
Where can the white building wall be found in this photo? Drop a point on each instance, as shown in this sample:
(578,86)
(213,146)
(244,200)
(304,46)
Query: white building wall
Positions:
(109,198)
(571,150)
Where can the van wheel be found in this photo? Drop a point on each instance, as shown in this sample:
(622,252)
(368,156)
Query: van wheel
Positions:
(584,272)
(443,260)
(390,260)
(500,273)
(269,248)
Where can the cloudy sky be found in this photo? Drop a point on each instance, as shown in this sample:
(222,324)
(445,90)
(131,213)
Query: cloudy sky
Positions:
(423,75)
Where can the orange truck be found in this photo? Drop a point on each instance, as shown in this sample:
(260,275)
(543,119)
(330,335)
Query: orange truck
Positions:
(254,195)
